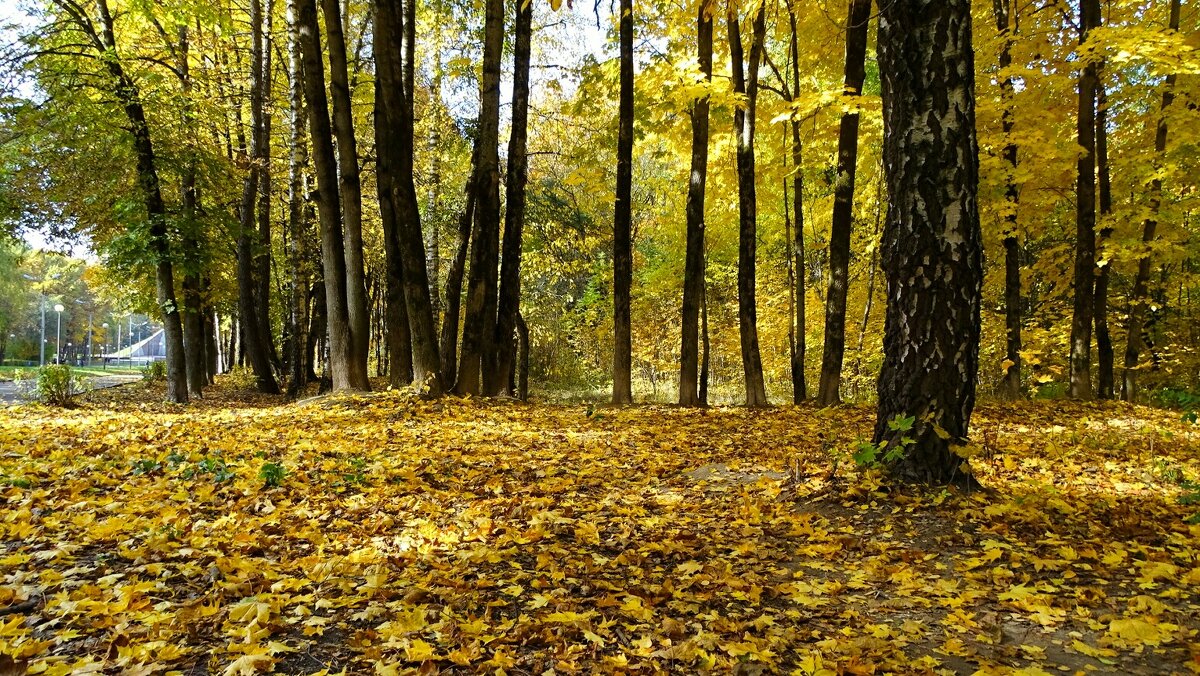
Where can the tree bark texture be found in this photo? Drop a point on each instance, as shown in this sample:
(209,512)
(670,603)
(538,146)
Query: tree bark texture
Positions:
(479,325)
(345,375)
(828,393)
(1105,385)
(350,189)
(693,268)
(932,247)
(1010,387)
(744,126)
(1085,216)
(799,320)
(509,304)
(622,392)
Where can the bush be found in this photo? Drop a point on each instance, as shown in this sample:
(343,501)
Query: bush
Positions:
(155,372)
(56,385)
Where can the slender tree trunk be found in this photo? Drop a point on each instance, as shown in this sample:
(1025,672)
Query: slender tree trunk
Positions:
(932,246)
(212,338)
(1105,384)
(522,359)
(622,375)
(693,268)
(399,339)
(254,342)
(350,190)
(479,326)
(454,279)
(1011,385)
(262,151)
(843,208)
(1085,217)
(799,322)
(509,304)
(1139,298)
(744,124)
(346,375)
(705,346)
(297,221)
(395,145)
(129,96)
(193,297)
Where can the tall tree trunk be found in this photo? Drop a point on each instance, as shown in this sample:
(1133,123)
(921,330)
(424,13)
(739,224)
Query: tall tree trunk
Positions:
(394,141)
(1140,296)
(744,124)
(193,297)
(262,253)
(799,321)
(212,341)
(705,346)
(350,190)
(1105,384)
(509,304)
(1085,216)
(932,246)
(693,267)
(297,221)
(479,326)
(253,340)
(345,374)
(622,375)
(128,95)
(1011,385)
(857,20)
(522,359)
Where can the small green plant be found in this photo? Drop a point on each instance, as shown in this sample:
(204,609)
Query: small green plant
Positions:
(876,455)
(1190,496)
(357,475)
(1179,399)
(214,467)
(155,372)
(272,474)
(146,466)
(57,385)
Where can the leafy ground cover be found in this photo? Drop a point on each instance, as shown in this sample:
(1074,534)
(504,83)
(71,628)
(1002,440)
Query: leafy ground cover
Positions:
(382,534)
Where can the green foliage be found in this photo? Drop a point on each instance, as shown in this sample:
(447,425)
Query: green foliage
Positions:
(146,466)
(880,454)
(272,474)
(212,466)
(155,372)
(57,385)
(1183,400)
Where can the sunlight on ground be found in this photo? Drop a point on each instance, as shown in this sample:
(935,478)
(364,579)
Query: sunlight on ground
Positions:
(406,534)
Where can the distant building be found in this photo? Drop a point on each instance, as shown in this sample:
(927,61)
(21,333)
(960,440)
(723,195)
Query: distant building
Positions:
(151,349)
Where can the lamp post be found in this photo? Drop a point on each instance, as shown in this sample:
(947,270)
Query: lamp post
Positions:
(58,308)
(104,347)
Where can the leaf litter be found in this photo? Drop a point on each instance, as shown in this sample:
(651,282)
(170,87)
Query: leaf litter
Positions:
(387,534)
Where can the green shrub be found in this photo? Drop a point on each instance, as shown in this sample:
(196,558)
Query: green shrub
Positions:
(155,372)
(272,474)
(57,385)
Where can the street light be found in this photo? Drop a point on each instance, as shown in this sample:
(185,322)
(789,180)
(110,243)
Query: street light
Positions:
(104,346)
(58,338)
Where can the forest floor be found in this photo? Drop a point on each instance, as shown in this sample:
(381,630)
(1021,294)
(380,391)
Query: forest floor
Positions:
(383,534)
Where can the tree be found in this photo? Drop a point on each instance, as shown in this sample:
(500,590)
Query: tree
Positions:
(1140,295)
(479,325)
(622,371)
(128,95)
(798,323)
(257,345)
(350,189)
(1085,213)
(333,253)
(932,245)
(297,223)
(693,275)
(858,17)
(1011,386)
(398,191)
(509,304)
(744,125)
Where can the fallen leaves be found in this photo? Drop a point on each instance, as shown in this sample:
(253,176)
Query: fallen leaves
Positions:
(408,535)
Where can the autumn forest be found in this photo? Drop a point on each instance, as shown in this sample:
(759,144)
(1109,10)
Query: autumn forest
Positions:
(410,336)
